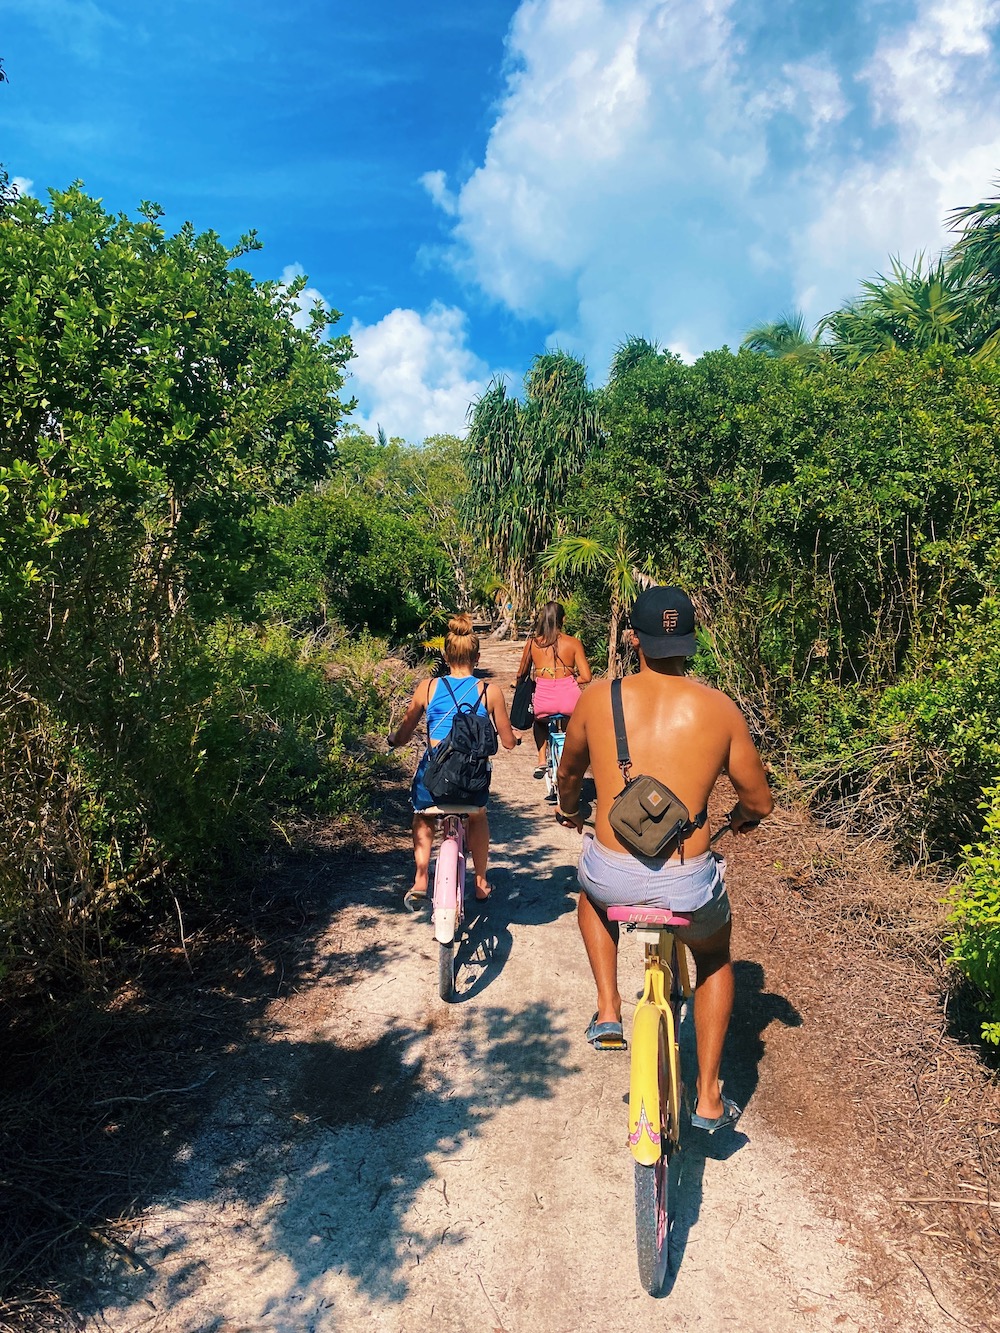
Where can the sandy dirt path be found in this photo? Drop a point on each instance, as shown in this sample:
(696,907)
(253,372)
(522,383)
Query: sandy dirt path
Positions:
(385,1161)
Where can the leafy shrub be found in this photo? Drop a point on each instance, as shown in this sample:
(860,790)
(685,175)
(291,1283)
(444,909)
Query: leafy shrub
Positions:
(235,736)
(975,943)
(349,560)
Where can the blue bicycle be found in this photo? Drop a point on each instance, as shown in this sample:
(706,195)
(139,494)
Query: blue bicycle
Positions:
(553,754)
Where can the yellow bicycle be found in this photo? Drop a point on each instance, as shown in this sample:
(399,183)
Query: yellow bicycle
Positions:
(655,1085)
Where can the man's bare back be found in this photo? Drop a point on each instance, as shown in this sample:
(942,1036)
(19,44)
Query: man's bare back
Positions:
(679,731)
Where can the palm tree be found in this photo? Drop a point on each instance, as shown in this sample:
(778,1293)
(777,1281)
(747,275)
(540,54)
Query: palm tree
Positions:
(621,569)
(976,257)
(914,308)
(629,354)
(520,461)
(786,339)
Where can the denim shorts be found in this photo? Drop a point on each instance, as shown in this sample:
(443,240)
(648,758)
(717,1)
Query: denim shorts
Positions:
(696,888)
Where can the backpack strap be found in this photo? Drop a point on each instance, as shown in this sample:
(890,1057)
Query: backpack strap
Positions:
(621,737)
(431,689)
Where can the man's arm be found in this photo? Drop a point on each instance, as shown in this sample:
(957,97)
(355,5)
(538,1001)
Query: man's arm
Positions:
(572,767)
(746,773)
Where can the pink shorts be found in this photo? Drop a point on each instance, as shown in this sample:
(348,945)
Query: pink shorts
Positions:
(555,696)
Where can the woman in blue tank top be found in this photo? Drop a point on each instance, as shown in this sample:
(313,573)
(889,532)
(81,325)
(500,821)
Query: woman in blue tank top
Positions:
(433,697)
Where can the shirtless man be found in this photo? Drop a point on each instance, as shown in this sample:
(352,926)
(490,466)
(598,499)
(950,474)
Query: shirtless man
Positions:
(686,735)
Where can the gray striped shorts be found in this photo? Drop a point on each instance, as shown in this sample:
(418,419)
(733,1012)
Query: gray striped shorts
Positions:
(697,888)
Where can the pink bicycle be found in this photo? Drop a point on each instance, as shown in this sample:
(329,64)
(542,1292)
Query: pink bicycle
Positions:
(448,902)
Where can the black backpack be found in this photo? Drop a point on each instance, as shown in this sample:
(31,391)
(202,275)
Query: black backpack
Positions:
(459,770)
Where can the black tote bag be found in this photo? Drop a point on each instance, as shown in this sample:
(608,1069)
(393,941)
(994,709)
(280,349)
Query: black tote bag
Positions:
(522,712)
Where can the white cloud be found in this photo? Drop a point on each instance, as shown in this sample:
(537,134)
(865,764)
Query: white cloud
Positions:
(306,299)
(22,184)
(933,83)
(414,375)
(435,183)
(659,167)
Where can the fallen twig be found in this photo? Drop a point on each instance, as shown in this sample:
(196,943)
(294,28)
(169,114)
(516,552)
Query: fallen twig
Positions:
(159,1092)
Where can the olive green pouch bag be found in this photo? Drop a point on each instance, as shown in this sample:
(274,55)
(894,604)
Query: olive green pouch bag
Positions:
(648,817)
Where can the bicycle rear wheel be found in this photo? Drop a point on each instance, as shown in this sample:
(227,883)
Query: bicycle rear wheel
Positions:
(653,1217)
(446,971)
(653,1203)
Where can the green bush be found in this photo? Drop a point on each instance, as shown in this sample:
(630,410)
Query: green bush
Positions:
(975,943)
(234,737)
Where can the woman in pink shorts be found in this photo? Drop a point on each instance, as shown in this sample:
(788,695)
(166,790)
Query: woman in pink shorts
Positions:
(560,666)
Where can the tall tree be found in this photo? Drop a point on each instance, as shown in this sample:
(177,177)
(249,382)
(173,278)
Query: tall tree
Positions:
(621,570)
(521,460)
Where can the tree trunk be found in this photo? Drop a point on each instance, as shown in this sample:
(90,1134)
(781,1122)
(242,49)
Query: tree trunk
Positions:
(613,636)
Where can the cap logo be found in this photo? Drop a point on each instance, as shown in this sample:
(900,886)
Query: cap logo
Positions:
(669,620)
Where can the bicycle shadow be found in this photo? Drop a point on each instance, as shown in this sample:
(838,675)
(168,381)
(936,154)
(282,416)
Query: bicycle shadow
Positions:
(518,899)
(753,1012)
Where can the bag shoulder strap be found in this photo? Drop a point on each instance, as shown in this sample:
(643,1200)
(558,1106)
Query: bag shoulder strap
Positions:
(621,736)
(625,759)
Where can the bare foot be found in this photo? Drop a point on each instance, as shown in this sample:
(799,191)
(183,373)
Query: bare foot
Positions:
(483,891)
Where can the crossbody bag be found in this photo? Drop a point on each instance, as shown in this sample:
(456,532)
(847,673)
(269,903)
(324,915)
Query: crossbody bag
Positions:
(648,817)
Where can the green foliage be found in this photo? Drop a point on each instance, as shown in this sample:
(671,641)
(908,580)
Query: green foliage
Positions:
(356,562)
(839,530)
(152,397)
(243,732)
(975,943)
(521,460)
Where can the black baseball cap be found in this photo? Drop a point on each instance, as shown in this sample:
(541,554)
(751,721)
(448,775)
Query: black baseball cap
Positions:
(663,619)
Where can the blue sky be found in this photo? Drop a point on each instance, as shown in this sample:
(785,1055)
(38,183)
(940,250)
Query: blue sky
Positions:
(472,182)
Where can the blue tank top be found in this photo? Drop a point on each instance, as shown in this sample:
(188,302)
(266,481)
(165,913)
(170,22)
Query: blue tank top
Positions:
(441,709)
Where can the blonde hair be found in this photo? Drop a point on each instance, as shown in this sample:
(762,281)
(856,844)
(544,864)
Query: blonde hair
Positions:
(461,645)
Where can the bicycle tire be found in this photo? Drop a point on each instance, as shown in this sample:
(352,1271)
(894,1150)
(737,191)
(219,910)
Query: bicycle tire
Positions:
(652,1222)
(653,1214)
(446,971)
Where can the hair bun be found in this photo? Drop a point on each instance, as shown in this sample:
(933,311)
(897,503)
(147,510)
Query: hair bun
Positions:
(460,624)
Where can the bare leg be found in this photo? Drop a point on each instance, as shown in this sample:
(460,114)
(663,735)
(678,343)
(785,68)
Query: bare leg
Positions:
(713,1006)
(479,846)
(423,841)
(540,732)
(600,939)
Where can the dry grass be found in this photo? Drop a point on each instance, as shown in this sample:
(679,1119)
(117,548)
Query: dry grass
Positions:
(883,1082)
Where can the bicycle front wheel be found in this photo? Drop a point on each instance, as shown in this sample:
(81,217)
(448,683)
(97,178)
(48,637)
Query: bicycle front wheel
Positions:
(446,971)
(652,1222)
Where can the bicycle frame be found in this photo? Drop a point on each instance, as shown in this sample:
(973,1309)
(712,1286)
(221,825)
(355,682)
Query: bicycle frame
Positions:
(448,901)
(554,748)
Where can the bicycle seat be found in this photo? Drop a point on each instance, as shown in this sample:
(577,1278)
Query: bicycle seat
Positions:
(451,810)
(648,916)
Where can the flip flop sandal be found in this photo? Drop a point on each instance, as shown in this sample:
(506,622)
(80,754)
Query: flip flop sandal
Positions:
(606,1036)
(413,901)
(539,773)
(730,1114)
(484,897)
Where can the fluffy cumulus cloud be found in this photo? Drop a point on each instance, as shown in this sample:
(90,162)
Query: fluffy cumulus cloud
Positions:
(682,169)
(413,374)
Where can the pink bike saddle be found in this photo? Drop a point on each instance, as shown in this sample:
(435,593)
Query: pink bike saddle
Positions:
(647,916)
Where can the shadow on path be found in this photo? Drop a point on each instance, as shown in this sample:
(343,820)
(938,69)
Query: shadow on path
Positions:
(754,1011)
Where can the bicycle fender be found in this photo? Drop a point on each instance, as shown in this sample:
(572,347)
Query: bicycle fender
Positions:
(645,1124)
(445,910)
